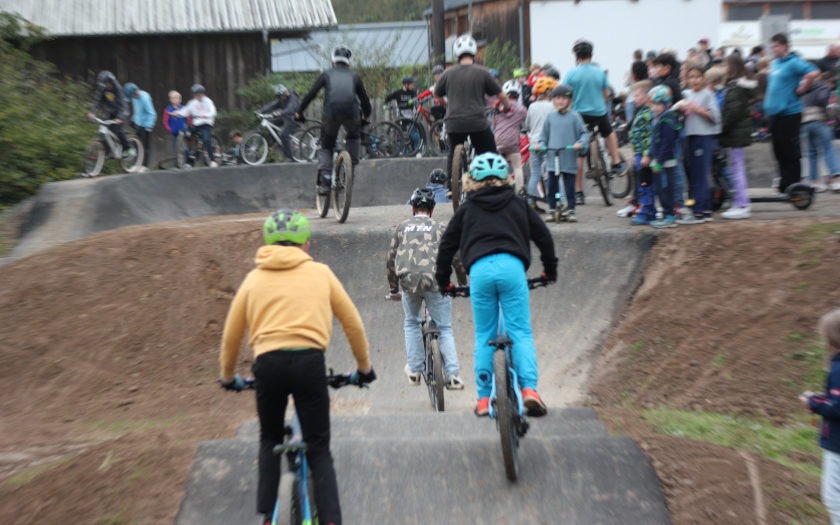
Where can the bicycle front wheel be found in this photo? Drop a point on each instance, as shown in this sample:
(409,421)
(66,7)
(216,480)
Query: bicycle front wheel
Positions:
(342,186)
(622,184)
(506,414)
(435,379)
(414,137)
(599,172)
(132,162)
(309,142)
(459,168)
(254,148)
(287,508)
(384,140)
(94,158)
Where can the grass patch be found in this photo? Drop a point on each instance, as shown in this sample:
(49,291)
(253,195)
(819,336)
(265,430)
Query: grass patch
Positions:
(793,445)
(718,360)
(804,511)
(636,348)
(810,353)
(26,475)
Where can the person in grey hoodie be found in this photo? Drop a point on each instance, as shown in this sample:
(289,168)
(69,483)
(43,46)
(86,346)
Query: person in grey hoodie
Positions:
(563,129)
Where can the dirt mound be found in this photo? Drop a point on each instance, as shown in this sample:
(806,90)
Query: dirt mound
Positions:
(724,324)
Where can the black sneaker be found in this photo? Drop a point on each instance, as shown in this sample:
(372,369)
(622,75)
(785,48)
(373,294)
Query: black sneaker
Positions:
(324,189)
(580,199)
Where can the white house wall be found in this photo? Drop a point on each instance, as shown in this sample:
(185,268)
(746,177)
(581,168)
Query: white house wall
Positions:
(810,38)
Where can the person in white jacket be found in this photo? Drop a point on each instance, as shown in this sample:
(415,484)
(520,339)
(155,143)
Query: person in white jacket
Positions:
(202,113)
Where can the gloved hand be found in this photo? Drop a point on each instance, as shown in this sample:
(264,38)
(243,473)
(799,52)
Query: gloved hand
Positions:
(386,107)
(299,117)
(236,385)
(359,378)
(394,295)
(447,288)
(549,274)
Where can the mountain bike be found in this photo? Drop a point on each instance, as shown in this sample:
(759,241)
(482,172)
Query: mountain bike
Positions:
(561,212)
(462,155)
(377,141)
(506,406)
(432,374)
(190,147)
(107,145)
(596,164)
(417,140)
(255,143)
(295,495)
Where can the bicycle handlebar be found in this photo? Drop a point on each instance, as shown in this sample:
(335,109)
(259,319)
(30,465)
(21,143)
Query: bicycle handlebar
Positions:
(104,122)
(464,291)
(336,381)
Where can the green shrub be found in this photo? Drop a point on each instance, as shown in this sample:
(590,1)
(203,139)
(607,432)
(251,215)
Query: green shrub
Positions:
(43,131)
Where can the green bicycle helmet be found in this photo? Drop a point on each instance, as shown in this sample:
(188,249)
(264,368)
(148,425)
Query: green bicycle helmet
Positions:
(489,165)
(286,226)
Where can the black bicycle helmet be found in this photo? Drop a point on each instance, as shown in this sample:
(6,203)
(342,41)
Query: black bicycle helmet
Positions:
(437,176)
(197,88)
(582,47)
(422,198)
(408,80)
(562,90)
(342,54)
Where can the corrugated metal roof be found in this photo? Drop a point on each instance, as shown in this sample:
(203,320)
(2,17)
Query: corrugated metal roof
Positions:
(121,17)
(407,43)
(449,5)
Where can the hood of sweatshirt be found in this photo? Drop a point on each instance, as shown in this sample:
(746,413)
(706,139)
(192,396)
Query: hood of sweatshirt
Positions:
(493,198)
(280,257)
(746,83)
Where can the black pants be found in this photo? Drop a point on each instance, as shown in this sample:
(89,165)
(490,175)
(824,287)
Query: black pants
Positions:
(482,142)
(785,132)
(145,137)
(287,126)
(301,374)
(329,134)
(117,129)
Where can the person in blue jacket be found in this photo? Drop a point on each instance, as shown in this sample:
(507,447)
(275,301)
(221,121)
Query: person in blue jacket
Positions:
(143,118)
(828,406)
(664,153)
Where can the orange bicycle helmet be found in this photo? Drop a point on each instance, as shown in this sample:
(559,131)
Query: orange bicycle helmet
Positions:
(544,85)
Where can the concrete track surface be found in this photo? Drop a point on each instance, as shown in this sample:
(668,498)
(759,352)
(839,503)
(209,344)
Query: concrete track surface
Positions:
(398,462)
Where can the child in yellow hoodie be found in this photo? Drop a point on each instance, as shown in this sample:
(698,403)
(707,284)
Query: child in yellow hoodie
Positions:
(288,302)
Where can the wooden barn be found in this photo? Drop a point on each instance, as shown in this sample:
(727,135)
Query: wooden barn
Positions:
(170,44)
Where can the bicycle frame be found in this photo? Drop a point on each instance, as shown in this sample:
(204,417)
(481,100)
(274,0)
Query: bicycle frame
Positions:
(295,449)
(110,139)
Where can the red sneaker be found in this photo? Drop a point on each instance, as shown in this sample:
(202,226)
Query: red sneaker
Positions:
(533,403)
(482,408)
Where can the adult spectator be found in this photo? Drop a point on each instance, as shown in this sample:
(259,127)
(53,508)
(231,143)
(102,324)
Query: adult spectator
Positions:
(831,61)
(789,78)
(704,50)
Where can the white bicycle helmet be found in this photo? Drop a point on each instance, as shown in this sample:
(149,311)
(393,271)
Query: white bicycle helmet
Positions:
(464,45)
(342,54)
(511,86)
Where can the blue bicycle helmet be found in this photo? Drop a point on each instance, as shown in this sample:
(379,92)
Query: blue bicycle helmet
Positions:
(489,165)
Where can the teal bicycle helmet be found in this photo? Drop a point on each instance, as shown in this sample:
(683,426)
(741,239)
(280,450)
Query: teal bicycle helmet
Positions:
(489,165)
(286,226)
(660,94)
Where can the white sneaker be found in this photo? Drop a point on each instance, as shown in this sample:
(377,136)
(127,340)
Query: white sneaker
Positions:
(141,169)
(214,164)
(627,211)
(835,186)
(775,184)
(413,377)
(454,383)
(736,213)
(819,187)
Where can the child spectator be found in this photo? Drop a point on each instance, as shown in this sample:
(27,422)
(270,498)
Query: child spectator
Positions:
(828,406)
(437,185)
(537,111)
(663,152)
(173,122)
(493,230)
(202,111)
(563,128)
(736,132)
(143,118)
(816,135)
(666,72)
(641,133)
(506,129)
(235,152)
(411,277)
(702,125)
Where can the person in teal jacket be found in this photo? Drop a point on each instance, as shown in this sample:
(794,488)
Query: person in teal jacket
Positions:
(143,118)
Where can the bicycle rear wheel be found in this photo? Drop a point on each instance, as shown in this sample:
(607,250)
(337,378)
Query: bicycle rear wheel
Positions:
(94,158)
(310,142)
(435,380)
(132,163)
(598,170)
(414,137)
(384,140)
(343,186)
(254,148)
(506,414)
(438,144)
(458,169)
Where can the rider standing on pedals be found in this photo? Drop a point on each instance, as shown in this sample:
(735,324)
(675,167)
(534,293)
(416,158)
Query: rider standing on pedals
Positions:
(346,103)
(287,303)
(282,112)
(493,230)
(111,99)
(465,85)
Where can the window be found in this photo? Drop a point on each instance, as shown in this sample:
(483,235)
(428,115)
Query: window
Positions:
(824,10)
(796,11)
(738,13)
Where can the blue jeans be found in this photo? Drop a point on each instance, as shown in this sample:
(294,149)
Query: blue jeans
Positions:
(440,308)
(817,137)
(537,161)
(678,190)
(499,280)
(553,190)
(700,159)
(205,132)
(665,186)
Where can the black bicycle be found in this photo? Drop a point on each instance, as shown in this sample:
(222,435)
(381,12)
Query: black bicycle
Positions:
(506,405)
